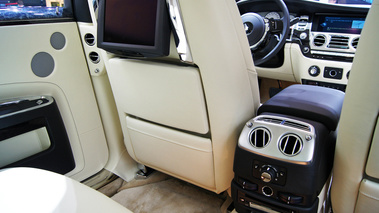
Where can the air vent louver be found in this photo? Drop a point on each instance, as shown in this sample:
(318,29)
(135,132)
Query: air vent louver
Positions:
(271,120)
(339,42)
(319,40)
(297,125)
(285,123)
(354,43)
(89,39)
(290,145)
(260,137)
(94,57)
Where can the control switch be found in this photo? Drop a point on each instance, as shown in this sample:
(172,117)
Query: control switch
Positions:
(268,174)
(334,73)
(290,199)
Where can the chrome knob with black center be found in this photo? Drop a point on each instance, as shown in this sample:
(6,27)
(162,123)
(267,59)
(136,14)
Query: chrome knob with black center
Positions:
(314,71)
(268,174)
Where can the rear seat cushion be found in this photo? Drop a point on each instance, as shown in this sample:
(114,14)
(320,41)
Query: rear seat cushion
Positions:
(36,190)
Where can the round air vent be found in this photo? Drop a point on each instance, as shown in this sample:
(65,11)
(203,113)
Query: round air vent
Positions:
(354,43)
(89,39)
(260,137)
(94,57)
(319,40)
(290,144)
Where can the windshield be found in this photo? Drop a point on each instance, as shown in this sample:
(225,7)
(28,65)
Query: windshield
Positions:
(360,2)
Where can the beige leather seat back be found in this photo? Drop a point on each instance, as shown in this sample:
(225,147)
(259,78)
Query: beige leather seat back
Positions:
(355,186)
(185,120)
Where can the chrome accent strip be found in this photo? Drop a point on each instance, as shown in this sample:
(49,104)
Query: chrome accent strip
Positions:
(18,100)
(176,18)
(262,208)
(332,53)
(11,102)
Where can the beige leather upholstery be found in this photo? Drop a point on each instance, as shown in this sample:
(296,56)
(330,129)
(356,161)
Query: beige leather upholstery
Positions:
(35,190)
(187,120)
(69,84)
(355,186)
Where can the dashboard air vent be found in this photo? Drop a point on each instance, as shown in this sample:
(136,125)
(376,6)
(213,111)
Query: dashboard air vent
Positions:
(290,145)
(339,42)
(319,40)
(354,43)
(260,137)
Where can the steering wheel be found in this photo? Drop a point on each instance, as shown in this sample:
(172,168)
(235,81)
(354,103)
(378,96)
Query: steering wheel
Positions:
(266,36)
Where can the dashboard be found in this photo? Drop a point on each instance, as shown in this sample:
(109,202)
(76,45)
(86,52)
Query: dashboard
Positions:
(321,45)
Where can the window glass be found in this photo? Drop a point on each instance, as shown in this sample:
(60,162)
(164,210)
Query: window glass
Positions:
(21,10)
(95,4)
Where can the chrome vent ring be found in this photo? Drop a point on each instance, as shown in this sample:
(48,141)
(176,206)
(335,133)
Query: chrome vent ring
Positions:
(354,43)
(319,40)
(94,57)
(259,137)
(89,39)
(290,145)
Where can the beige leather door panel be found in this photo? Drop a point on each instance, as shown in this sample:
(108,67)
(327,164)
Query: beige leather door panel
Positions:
(48,60)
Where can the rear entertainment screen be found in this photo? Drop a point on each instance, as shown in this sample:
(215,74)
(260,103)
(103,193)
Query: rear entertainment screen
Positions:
(117,26)
(134,27)
(337,24)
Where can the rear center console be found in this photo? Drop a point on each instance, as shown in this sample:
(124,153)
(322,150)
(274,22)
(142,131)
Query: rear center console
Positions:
(284,156)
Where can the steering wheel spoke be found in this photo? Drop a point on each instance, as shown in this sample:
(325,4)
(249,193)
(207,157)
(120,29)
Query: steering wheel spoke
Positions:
(261,32)
(276,25)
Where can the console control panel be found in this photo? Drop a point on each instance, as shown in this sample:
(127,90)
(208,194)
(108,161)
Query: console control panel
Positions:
(333,73)
(340,87)
(269,173)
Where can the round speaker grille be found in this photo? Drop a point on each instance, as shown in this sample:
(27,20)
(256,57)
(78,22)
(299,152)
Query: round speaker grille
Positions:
(57,40)
(42,64)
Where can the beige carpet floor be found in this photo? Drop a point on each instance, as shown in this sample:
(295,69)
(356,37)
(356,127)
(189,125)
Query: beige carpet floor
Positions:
(162,193)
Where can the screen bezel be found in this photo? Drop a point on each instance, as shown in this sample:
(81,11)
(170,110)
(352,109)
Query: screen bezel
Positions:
(161,45)
(318,17)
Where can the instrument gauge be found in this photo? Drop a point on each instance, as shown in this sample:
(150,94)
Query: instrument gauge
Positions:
(272,15)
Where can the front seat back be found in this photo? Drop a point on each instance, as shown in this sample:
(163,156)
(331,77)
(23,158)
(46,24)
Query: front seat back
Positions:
(355,186)
(183,119)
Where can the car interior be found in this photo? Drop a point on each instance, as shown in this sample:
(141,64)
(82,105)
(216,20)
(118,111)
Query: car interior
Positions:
(249,105)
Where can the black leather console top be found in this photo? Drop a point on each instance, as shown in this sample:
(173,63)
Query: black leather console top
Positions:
(309,102)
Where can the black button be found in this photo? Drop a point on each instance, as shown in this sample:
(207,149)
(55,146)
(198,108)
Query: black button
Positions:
(290,199)
(247,185)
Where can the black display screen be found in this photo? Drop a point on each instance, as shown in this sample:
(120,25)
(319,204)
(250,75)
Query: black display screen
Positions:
(134,25)
(337,24)
(134,28)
